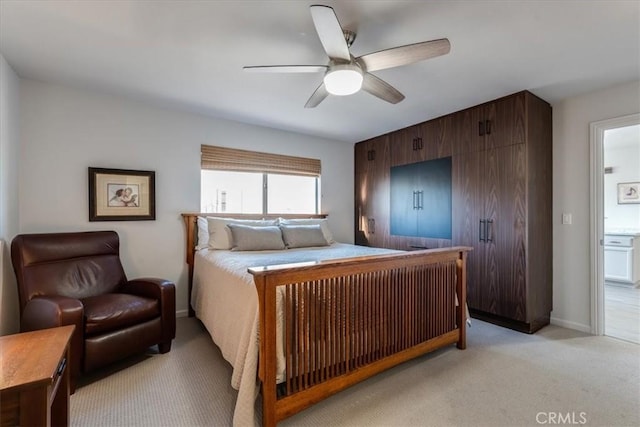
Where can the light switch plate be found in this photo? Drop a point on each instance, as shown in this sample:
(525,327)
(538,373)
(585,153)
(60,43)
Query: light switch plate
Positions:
(566,218)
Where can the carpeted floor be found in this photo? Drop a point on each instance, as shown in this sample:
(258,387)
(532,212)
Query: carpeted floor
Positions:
(504,378)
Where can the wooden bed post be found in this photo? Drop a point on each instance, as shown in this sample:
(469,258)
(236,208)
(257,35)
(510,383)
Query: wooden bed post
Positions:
(461,291)
(267,369)
(190,222)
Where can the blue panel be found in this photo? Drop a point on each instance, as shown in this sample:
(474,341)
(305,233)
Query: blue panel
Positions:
(404,217)
(421,199)
(434,215)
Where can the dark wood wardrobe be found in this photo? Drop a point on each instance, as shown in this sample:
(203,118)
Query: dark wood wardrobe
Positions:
(500,154)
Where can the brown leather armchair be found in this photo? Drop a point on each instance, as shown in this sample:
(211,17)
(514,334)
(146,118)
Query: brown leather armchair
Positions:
(77,279)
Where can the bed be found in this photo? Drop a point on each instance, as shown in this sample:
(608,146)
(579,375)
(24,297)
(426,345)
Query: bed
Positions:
(312,321)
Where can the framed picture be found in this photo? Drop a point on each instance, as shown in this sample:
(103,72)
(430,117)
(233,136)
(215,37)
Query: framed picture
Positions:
(628,192)
(121,195)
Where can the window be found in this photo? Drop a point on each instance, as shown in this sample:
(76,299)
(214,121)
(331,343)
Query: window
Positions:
(292,194)
(240,181)
(227,191)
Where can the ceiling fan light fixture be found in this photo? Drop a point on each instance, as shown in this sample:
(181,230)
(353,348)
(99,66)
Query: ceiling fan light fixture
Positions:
(343,79)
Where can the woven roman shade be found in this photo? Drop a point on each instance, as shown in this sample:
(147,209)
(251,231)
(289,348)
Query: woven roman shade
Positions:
(231,159)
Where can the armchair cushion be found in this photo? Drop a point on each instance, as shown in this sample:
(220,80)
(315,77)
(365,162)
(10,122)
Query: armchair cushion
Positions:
(108,312)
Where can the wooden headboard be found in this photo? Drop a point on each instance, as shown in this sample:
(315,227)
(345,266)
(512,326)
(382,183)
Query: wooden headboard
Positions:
(191,237)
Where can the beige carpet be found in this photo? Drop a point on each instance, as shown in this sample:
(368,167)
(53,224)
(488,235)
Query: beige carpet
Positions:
(504,378)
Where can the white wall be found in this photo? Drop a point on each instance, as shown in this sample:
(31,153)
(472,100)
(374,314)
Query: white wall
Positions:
(64,131)
(623,157)
(571,194)
(9,156)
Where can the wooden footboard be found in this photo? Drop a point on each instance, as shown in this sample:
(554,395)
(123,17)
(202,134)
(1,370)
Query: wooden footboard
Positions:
(347,320)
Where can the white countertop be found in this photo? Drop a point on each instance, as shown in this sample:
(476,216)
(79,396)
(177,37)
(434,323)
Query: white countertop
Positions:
(634,232)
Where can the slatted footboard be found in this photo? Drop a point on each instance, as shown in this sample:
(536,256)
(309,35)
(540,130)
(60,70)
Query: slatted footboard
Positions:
(346,320)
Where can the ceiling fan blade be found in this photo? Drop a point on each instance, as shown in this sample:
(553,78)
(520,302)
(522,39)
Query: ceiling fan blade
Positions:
(404,55)
(318,96)
(286,68)
(381,89)
(330,32)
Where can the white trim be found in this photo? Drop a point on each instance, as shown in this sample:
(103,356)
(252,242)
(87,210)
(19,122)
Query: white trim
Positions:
(596,151)
(570,325)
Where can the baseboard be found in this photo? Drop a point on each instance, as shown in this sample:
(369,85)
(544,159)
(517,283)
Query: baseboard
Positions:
(527,328)
(571,325)
(182,313)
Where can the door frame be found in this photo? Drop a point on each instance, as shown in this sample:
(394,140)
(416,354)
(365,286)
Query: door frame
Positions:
(597,130)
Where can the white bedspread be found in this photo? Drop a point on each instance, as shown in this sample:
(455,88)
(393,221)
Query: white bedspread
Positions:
(225,300)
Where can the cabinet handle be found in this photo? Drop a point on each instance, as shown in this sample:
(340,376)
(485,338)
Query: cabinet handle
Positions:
(488,232)
(371,155)
(61,366)
(481,229)
(487,127)
(420,145)
(420,199)
(481,128)
(415,204)
(372,226)
(414,144)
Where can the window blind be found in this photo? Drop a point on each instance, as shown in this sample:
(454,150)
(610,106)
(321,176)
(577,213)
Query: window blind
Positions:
(223,158)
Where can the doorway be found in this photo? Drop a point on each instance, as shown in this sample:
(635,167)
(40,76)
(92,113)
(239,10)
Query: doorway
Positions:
(615,228)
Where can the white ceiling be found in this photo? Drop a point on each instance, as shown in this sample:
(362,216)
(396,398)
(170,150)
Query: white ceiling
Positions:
(190,54)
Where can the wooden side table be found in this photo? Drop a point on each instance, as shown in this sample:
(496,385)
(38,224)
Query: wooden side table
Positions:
(34,377)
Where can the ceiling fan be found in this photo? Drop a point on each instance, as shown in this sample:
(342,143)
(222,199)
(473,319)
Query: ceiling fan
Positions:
(346,75)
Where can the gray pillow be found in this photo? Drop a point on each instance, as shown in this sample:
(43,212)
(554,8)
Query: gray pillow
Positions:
(248,238)
(302,236)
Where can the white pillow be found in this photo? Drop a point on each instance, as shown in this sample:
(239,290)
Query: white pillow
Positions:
(220,235)
(203,233)
(324,224)
(261,238)
(303,236)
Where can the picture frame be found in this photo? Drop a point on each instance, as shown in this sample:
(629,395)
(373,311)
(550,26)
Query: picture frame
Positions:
(121,195)
(628,193)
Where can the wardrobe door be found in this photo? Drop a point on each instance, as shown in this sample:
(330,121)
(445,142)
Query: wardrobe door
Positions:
(467,209)
(461,131)
(405,199)
(361,154)
(505,121)
(438,136)
(467,135)
(434,199)
(505,209)
(372,192)
(407,146)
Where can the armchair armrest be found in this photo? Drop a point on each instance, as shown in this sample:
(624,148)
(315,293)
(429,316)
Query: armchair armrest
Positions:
(162,290)
(149,287)
(51,311)
(45,312)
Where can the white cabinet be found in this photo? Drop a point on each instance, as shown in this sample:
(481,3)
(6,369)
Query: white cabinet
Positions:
(622,258)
